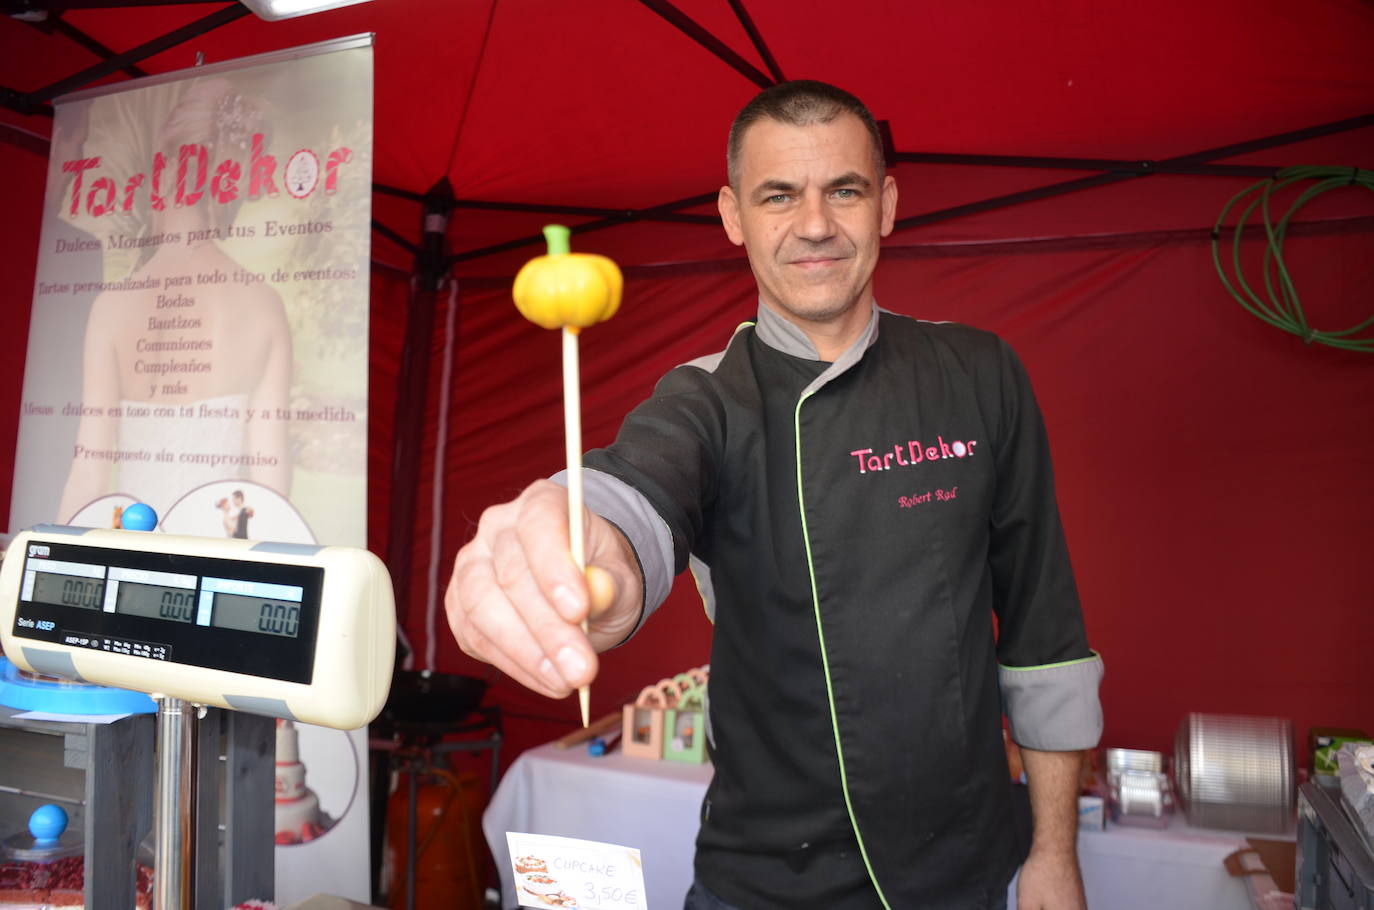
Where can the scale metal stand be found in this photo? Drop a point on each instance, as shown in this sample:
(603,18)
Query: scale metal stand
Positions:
(174,837)
(187,811)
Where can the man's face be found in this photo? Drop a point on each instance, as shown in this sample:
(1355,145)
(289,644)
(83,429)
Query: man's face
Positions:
(810,211)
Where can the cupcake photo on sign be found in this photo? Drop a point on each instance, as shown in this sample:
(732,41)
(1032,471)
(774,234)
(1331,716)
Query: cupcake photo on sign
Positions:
(541,870)
(530,864)
(547,889)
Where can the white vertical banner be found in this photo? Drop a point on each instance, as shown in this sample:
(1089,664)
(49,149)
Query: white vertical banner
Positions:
(199,342)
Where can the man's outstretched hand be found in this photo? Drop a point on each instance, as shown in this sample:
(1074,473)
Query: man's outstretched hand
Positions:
(517,601)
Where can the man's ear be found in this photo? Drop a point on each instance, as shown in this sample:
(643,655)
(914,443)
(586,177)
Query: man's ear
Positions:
(889,205)
(728,204)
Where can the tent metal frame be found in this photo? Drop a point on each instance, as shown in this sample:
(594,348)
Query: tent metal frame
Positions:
(37,101)
(1109,171)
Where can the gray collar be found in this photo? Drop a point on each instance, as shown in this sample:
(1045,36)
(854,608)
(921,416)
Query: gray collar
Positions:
(780,334)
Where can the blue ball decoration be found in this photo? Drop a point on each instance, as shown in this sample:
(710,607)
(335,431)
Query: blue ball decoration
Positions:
(47,823)
(138,517)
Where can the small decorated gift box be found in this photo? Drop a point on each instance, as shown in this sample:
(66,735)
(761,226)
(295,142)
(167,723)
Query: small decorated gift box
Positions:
(684,683)
(642,730)
(684,727)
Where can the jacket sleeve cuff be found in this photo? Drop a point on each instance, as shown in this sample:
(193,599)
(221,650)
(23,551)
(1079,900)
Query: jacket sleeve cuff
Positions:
(626,508)
(1054,708)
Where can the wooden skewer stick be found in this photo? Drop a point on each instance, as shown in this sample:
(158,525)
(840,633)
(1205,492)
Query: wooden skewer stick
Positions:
(569,290)
(598,728)
(572,435)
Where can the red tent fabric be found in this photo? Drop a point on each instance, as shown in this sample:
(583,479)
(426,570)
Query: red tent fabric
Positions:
(1214,473)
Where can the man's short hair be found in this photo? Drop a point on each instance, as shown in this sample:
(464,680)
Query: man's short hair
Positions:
(800,102)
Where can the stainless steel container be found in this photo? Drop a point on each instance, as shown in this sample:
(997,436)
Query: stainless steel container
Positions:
(1135,760)
(1138,789)
(1237,772)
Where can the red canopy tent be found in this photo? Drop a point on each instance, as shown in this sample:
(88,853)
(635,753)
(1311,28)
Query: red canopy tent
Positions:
(1060,166)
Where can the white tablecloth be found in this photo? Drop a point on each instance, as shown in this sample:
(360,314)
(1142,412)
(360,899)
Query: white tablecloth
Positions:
(655,806)
(634,802)
(1179,868)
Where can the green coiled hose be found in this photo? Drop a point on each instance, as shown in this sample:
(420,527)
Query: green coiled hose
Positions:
(1282,308)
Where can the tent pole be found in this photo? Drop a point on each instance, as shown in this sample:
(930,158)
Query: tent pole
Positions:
(431,271)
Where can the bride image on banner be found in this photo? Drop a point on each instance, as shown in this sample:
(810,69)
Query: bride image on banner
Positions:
(187,361)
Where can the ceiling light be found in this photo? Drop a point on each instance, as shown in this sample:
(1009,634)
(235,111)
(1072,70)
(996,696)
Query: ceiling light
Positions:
(272,10)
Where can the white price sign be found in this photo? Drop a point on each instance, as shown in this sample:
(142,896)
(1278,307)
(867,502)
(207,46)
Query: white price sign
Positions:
(566,872)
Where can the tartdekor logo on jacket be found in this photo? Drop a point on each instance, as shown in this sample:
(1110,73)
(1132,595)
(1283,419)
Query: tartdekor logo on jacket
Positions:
(905,454)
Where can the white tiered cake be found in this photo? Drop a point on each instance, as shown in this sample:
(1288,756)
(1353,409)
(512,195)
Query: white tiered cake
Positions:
(298,808)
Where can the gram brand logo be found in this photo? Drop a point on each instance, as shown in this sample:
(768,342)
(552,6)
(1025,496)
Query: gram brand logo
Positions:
(905,454)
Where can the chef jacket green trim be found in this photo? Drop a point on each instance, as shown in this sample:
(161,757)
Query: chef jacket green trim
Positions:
(825,659)
(1062,663)
(701,577)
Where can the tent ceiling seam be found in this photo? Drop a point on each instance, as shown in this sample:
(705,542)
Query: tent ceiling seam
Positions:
(756,37)
(694,30)
(472,87)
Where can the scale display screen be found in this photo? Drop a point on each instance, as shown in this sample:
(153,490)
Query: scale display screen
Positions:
(257,614)
(156,602)
(257,618)
(68,590)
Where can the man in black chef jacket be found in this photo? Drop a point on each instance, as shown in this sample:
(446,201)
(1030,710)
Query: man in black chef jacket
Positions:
(858,494)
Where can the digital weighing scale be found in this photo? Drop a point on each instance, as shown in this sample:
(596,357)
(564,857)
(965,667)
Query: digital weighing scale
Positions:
(301,632)
(306,633)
